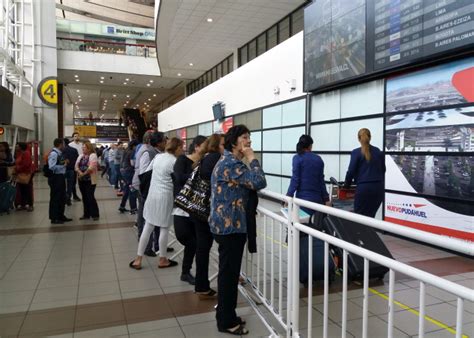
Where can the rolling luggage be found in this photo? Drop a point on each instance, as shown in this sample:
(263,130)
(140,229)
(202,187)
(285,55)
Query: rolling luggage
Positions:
(362,236)
(7,196)
(318,260)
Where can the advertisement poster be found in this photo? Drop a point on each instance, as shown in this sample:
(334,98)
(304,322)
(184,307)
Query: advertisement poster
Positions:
(222,126)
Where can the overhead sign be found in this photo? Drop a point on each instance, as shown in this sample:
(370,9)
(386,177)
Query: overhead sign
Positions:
(48,91)
(112,132)
(86,131)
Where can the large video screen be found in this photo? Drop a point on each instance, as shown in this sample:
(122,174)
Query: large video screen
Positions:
(346,39)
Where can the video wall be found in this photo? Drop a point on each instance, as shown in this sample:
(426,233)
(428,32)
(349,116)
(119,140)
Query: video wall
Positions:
(429,144)
(346,39)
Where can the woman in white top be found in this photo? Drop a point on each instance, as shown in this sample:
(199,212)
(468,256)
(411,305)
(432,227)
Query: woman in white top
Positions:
(159,203)
(86,169)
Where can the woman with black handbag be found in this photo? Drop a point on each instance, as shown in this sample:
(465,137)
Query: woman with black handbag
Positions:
(86,168)
(183,225)
(204,239)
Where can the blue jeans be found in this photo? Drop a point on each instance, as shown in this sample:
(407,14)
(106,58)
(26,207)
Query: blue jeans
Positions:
(130,194)
(111,173)
(117,177)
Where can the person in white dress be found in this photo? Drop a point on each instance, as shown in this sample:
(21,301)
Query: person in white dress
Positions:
(159,204)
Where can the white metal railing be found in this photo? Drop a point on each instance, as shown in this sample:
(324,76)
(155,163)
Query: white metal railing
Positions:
(267,270)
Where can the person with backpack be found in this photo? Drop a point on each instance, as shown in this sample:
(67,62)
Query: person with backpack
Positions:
(56,171)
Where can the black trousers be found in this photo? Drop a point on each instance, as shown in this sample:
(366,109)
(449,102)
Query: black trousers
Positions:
(186,235)
(91,209)
(231,249)
(57,196)
(368,198)
(203,247)
(26,193)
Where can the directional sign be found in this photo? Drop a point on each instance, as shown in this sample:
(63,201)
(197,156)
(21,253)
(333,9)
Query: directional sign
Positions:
(48,91)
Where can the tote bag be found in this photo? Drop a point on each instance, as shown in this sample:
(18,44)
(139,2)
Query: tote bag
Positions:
(194,197)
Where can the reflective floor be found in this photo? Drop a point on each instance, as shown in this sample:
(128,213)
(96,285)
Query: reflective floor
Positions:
(74,280)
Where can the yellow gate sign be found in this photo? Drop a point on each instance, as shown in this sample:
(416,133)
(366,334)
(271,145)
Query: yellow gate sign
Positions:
(86,131)
(48,91)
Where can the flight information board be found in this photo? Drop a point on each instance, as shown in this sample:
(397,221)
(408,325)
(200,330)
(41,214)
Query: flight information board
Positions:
(346,39)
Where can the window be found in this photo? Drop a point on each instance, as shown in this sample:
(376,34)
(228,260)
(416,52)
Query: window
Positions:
(297,21)
(243,55)
(252,49)
(283,29)
(272,37)
(261,44)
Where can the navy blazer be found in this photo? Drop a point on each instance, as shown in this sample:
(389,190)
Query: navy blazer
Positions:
(307,179)
(362,171)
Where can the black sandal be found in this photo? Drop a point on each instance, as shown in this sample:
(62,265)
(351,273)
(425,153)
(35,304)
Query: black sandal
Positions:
(241,321)
(170,264)
(207,295)
(239,330)
(133,266)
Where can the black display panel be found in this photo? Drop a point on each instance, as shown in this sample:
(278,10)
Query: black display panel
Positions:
(346,39)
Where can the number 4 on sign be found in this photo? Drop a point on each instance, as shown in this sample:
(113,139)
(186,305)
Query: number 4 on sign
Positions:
(50,91)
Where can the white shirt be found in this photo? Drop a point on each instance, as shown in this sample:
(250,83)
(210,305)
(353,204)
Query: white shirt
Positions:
(77,146)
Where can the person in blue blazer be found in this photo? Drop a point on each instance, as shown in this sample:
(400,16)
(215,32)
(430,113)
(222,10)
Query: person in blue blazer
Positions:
(367,169)
(307,179)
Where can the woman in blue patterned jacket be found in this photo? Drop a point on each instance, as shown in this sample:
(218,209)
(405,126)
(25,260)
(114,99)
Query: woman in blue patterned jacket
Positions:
(231,182)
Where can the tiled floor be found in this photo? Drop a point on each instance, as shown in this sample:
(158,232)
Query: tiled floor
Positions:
(73,280)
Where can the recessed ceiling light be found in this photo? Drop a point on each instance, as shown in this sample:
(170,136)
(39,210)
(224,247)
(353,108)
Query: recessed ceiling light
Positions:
(148,85)
(149,99)
(125,83)
(77,80)
(209,20)
(114,95)
(75,102)
(128,95)
(76,76)
(154,95)
(124,105)
(79,96)
(151,81)
(80,100)
(102,78)
(77,90)
(191,64)
(127,79)
(179,74)
(101,81)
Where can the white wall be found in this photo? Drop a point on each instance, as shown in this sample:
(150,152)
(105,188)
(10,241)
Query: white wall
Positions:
(109,63)
(248,87)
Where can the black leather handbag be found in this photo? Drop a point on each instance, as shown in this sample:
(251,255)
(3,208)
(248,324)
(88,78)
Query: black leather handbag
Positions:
(194,197)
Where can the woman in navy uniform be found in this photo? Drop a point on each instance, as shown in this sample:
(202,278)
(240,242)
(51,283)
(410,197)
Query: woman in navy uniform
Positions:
(307,179)
(367,168)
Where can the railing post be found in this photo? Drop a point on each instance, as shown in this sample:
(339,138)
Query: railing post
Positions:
(296,271)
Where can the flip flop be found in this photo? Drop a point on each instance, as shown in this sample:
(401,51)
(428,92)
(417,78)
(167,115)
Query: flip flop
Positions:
(134,266)
(171,264)
(239,330)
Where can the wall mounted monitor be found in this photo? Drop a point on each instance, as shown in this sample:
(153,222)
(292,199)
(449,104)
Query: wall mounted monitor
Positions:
(345,40)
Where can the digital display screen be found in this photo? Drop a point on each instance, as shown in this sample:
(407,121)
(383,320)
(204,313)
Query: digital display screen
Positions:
(347,39)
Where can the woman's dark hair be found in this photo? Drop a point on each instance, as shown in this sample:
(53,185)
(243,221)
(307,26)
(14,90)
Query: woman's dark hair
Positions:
(197,141)
(230,138)
(304,143)
(23,146)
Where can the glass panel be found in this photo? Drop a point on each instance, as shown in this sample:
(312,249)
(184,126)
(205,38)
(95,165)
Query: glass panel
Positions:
(254,120)
(286,164)
(290,137)
(240,119)
(261,44)
(349,131)
(326,106)
(258,156)
(225,68)
(213,74)
(273,183)
(285,183)
(205,129)
(252,49)
(344,164)
(192,132)
(272,117)
(272,140)
(272,163)
(283,30)
(297,21)
(231,63)
(364,99)
(331,166)
(326,137)
(219,71)
(243,55)
(256,138)
(272,37)
(293,112)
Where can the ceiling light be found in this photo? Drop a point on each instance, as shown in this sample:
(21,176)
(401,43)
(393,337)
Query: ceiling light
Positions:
(128,95)
(77,90)
(76,76)
(151,81)
(154,95)
(102,78)
(127,79)
(179,74)
(79,96)
(75,102)
(77,80)
(148,85)
(125,83)
(101,81)
(80,100)
(191,64)
(149,99)
(114,95)
(124,105)
(209,20)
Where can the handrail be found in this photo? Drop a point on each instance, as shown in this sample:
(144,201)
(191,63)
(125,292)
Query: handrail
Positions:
(457,289)
(107,42)
(453,244)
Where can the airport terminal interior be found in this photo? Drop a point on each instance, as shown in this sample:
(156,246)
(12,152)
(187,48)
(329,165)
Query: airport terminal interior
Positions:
(112,76)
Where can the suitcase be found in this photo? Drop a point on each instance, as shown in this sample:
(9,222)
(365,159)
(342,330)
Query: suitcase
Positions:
(318,260)
(7,196)
(362,236)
